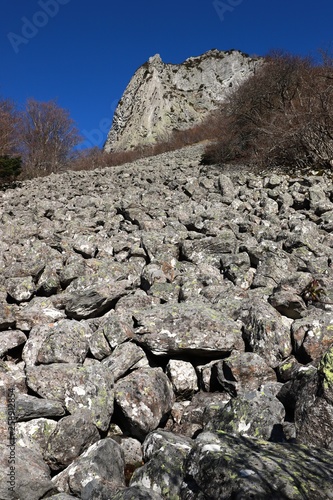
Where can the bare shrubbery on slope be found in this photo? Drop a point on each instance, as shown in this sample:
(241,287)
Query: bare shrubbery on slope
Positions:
(281,116)
(93,158)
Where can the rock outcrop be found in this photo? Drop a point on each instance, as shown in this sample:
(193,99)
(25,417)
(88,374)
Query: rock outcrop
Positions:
(164,97)
(156,339)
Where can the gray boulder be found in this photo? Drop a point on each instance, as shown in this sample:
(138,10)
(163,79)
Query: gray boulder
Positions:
(76,387)
(70,438)
(177,329)
(28,478)
(144,398)
(163,472)
(125,357)
(253,414)
(266,332)
(243,371)
(101,463)
(28,407)
(225,466)
(66,342)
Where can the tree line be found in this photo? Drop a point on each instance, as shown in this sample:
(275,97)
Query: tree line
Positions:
(36,141)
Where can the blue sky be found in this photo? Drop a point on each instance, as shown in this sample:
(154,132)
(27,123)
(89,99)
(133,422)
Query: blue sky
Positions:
(84,52)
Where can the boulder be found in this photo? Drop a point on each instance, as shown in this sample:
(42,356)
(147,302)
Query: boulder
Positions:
(165,454)
(100,466)
(243,371)
(76,387)
(70,438)
(28,407)
(177,329)
(144,399)
(27,478)
(253,414)
(225,466)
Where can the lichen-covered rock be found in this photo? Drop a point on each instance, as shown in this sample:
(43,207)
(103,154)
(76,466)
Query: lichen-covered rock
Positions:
(243,371)
(86,298)
(28,407)
(132,450)
(144,398)
(314,405)
(70,438)
(7,318)
(125,357)
(35,433)
(28,478)
(116,329)
(102,462)
(165,454)
(225,466)
(183,377)
(66,342)
(287,302)
(253,414)
(10,339)
(76,387)
(209,249)
(187,328)
(20,289)
(40,311)
(266,332)
(288,368)
(312,335)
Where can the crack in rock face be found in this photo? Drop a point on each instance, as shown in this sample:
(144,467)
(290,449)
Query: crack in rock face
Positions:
(154,337)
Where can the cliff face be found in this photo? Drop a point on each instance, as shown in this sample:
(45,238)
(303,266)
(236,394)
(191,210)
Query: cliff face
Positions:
(161,97)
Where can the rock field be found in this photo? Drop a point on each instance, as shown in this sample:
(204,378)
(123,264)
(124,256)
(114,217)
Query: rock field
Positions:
(166,332)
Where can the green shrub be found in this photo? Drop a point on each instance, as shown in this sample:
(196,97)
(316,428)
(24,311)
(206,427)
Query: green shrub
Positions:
(10,168)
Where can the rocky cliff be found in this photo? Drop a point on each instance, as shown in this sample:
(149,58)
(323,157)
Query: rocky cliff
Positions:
(168,319)
(161,97)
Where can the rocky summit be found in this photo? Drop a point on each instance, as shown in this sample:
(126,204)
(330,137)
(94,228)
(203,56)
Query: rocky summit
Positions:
(167,333)
(164,97)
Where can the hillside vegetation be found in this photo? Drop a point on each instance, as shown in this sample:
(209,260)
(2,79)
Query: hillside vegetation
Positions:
(281,116)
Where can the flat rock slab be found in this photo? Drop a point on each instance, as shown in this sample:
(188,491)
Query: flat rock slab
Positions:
(28,407)
(187,328)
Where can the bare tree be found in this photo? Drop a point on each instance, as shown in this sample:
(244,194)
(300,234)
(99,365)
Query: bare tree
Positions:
(48,137)
(8,128)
